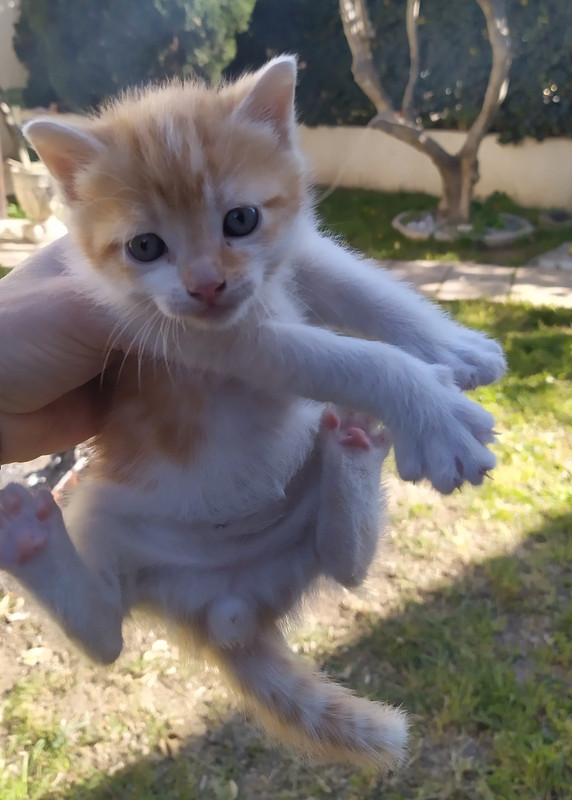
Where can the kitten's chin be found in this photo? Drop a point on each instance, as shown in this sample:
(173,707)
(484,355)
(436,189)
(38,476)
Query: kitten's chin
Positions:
(212,316)
(216,316)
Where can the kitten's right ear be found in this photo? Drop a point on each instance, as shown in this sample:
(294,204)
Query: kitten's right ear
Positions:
(64,149)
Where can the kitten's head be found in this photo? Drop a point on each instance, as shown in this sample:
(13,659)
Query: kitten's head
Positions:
(183,197)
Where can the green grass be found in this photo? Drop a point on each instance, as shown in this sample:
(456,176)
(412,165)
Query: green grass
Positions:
(15,211)
(472,634)
(483,659)
(363,218)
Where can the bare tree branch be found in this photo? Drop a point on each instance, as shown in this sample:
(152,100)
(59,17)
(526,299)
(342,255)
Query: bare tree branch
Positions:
(459,172)
(499,38)
(415,136)
(359,31)
(412,25)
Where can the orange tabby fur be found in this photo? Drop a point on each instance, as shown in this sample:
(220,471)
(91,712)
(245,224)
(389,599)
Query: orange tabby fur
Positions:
(223,488)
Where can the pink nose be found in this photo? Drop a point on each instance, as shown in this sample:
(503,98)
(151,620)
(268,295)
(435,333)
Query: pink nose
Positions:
(208,292)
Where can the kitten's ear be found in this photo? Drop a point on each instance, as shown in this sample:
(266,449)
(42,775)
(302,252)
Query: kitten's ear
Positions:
(271,98)
(64,148)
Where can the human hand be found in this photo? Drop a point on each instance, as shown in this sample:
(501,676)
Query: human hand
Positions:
(52,347)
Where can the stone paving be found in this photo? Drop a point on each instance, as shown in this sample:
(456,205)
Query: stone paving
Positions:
(539,285)
(462,281)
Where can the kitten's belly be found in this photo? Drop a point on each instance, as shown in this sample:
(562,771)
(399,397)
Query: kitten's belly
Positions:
(248,446)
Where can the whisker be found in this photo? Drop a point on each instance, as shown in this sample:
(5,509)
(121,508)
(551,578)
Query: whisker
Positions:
(166,337)
(119,330)
(146,334)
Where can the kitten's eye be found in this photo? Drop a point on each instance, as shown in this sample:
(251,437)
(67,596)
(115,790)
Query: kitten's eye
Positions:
(240,221)
(146,247)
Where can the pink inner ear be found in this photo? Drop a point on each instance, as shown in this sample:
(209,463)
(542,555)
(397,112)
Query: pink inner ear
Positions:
(64,170)
(272,97)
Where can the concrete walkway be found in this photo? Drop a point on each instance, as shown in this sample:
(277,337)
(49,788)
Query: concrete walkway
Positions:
(460,281)
(442,280)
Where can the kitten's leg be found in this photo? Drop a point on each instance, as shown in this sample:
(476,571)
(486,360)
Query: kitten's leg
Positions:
(351,500)
(343,290)
(36,549)
(437,432)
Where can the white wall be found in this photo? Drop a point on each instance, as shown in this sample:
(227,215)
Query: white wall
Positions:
(12,73)
(531,173)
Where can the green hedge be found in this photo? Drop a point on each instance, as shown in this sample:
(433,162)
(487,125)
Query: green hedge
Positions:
(455,61)
(78,53)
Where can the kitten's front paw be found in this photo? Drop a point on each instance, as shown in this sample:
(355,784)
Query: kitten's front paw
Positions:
(449,448)
(473,358)
(26,520)
(480,360)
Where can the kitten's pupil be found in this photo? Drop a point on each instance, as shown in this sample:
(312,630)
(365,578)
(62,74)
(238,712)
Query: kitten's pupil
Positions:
(146,247)
(240,221)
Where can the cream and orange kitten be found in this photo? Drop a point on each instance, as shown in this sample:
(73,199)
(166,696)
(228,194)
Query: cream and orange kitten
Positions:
(222,487)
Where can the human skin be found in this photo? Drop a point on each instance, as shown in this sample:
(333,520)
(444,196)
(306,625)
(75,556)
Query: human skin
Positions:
(53,348)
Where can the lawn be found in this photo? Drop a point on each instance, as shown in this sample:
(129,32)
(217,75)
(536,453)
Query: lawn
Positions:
(467,623)
(364,219)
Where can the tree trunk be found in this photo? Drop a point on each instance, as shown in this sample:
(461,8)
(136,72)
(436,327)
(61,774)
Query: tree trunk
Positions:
(458,178)
(459,172)
(450,202)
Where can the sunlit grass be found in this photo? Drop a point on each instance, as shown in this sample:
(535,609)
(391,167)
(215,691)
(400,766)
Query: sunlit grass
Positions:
(364,218)
(473,638)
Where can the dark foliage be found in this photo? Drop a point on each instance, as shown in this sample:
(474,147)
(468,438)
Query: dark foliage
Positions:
(79,53)
(455,62)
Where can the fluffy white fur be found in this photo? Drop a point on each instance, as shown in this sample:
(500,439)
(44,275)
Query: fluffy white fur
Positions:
(227,543)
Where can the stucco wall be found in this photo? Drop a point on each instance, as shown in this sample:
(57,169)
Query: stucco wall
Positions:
(532,173)
(12,73)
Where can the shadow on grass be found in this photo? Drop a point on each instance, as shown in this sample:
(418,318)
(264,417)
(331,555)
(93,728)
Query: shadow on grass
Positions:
(483,665)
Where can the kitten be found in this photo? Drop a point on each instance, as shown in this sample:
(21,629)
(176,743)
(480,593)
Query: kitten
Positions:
(221,485)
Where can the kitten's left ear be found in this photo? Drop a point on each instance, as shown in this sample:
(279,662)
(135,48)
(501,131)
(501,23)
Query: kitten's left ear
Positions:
(271,98)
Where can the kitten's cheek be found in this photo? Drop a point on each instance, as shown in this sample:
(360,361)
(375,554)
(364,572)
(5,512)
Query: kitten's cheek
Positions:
(167,307)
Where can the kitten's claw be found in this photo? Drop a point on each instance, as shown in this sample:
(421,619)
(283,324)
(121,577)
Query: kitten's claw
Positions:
(449,448)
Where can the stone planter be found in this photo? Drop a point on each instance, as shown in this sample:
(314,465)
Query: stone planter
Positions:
(36,193)
(555,218)
(423,226)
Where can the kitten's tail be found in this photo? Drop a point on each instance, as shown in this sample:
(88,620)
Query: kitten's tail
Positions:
(299,708)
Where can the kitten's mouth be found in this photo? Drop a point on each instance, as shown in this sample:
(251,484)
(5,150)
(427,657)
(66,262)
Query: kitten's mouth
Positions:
(219,312)
(224,309)
(215,311)
(216,314)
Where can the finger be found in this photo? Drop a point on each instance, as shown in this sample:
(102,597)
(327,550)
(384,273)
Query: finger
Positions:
(54,338)
(58,426)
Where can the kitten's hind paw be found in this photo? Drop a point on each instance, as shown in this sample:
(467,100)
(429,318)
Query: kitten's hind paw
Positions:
(25,523)
(354,430)
(349,521)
